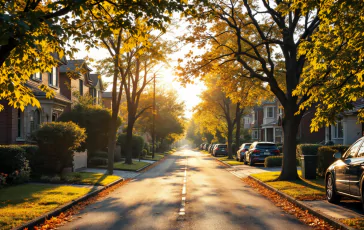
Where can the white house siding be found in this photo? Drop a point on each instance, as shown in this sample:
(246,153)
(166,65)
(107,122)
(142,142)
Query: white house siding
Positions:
(352,130)
(79,161)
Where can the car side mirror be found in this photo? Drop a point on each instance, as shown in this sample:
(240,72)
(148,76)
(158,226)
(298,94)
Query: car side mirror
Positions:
(337,155)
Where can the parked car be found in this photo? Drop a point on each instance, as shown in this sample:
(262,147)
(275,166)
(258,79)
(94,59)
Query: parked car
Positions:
(220,149)
(211,148)
(240,154)
(207,147)
(258,151)
(345,176)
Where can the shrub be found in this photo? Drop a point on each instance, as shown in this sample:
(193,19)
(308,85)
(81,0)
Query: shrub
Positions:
(137,145)
(12,158)
(100,154)
(307,149)
(96,121)
(32,155)
(13,165)
(276,161)
(97,161)
(147,147)
(144,153)
(55,179)
(273,161)
(57,141)
(325,158)
(340,148)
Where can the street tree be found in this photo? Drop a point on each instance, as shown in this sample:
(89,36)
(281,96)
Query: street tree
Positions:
(334,78)
(264,39)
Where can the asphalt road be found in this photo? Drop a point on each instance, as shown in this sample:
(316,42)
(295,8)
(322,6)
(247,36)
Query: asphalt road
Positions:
(188,190)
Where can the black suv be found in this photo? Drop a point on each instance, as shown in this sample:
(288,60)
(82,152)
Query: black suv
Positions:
(258,151)
(345,176)
(220,149)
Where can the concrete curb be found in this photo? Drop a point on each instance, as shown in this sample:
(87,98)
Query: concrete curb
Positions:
(59,210)
(337,224)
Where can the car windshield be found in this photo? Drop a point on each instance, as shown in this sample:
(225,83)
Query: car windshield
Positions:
(266,146)
(246,146)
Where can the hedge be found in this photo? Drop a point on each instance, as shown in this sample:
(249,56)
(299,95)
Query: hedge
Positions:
(137,145)
(14,167)
(324,159)
(275,161)
(307,149)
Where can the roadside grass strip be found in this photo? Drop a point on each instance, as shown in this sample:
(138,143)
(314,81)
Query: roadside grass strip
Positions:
(230,161)
(22,203)
(136,165)
(300,189)
(204,152)
(157,157)
(288,207)
(90,178)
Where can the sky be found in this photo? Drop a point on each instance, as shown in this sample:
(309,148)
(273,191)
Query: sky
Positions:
(166,76)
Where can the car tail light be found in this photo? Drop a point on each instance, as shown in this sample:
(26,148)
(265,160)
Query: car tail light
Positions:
(256,151)
(276,151)
(244,150)
(217,148)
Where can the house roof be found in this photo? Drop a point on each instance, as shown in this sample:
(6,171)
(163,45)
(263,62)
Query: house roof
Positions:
(357,105)
(72,65)
(39,93)
(96,78)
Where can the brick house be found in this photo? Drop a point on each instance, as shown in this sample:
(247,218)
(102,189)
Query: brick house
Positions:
(75,80)
(16,126)
(265,124)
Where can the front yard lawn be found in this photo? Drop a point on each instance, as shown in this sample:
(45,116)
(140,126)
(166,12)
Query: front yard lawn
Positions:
(230,161)
(133,167)
(90,178)
(22,203)
(300,189)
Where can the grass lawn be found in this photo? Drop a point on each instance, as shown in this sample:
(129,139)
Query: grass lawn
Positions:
(230,161)
(92,178)
(133,167)
(301,189)
(157,157)
(22,203)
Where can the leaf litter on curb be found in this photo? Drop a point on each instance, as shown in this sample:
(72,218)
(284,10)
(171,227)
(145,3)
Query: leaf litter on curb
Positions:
(288,207)
(67,216)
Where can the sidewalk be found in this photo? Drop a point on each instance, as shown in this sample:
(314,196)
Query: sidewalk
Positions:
(346,209)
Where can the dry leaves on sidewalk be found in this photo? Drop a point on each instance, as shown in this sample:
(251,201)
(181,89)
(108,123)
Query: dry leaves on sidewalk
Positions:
(68,214)
(289,207)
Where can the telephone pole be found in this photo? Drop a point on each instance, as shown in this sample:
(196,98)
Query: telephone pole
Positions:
(153,126)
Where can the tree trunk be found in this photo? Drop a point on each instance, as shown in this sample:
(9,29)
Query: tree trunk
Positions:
(111,143)
(129,143)
(290,128)
(230,141)
(237,133)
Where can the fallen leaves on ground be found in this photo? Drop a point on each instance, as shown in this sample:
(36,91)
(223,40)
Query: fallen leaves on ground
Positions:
(357,223)
(289,207)
(62,218)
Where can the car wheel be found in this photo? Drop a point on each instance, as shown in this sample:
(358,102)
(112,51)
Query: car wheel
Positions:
(240,159)
(251,162)
(245,162)
(331,194)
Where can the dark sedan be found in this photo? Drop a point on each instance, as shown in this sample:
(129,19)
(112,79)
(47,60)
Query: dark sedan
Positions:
(258,151)
(240,154)
(220,149)
(345,176)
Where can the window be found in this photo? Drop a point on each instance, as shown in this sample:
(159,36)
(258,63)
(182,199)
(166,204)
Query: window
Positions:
(20,123)
(338,130)
(353,149)
(255,134)
(81,87)
(280,111)
(37,76)
(53,77)
(269,113)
